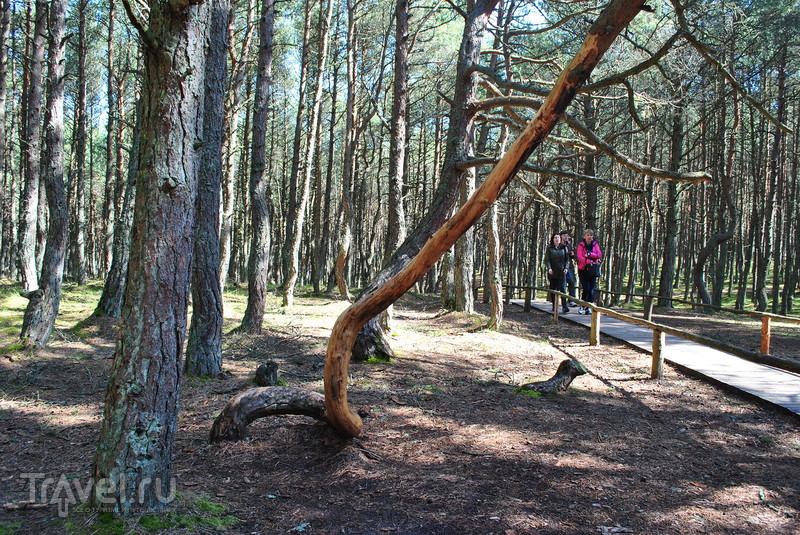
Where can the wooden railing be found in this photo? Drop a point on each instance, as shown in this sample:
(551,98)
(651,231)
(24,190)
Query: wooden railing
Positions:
(659,332)
(765,317)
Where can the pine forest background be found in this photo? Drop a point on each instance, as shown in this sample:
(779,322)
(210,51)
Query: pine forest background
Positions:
(700,87)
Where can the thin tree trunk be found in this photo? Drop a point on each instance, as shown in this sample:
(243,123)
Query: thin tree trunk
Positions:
(230,148)
(371,341)
(42,309)
(295,228)
(204,346)
(768,225)
(7,244)
(260,250)
(666,283)
(348,165)
(31,146)
(113,296)
(396,218)
(78,257)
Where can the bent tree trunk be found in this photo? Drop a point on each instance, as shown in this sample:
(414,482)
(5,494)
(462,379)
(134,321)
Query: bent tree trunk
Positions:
(371,342)
(346,329)
(340,346)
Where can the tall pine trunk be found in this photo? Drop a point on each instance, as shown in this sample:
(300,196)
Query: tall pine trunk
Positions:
(142,399)
(42,309)
(258,265)
(204,347)
(31,147)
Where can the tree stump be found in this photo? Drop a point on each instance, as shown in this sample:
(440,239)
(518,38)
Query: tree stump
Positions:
(267,374)
(566,372)
(255,403)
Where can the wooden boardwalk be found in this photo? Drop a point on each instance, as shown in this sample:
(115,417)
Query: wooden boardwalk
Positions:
(778,387)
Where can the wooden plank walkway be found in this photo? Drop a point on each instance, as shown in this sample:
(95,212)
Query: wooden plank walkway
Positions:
(778,387)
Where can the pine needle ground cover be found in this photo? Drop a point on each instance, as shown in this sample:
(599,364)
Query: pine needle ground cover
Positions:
(448,446)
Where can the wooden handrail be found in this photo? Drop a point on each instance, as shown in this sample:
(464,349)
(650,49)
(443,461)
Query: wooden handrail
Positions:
(752,313)
(746,354)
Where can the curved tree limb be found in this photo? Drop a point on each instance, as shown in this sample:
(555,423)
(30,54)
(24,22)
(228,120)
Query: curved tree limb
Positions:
(614,18)
(556,172)
(256,403)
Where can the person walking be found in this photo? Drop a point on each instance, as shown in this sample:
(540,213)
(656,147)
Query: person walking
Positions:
(555,259)
(589,255)
(566,243)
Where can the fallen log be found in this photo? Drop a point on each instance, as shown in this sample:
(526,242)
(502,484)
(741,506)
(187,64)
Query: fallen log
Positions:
(566,372)
(244,408)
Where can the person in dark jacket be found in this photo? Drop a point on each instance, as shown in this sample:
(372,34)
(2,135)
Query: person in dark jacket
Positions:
(589,255)
(566,243)
(555,259)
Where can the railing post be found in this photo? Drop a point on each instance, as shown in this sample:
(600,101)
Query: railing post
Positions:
(657,369)
(648,307)
(594,331)
(556,299)
(766,334)
(527,299)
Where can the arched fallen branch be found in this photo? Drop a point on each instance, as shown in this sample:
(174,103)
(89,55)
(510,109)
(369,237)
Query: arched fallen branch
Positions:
(256,403)
(566,372)
(614,18)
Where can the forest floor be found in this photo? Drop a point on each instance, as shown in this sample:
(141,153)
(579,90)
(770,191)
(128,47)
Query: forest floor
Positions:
(448,447)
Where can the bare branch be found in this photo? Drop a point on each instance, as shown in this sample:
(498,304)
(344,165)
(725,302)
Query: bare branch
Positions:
(147,37)
(475,162)
(707,54)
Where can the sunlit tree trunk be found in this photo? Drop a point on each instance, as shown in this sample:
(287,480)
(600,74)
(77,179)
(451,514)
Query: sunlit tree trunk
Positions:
(261,246)
(204,346)
(42,309)
(142,399)
(31,145)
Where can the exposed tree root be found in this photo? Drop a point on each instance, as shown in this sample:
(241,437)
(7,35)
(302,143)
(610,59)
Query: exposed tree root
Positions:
(255,403)
(566,372)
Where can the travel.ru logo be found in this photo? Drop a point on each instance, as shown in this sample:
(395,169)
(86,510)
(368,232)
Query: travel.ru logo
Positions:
(66,492)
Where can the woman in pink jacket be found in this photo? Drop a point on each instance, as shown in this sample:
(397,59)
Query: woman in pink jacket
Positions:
(588,254)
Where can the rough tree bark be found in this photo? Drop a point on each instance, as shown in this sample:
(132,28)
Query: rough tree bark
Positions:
(31,145)
(142,399)
(566,372)
(260,250)
(42,309)
(396,218)
(204,347)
